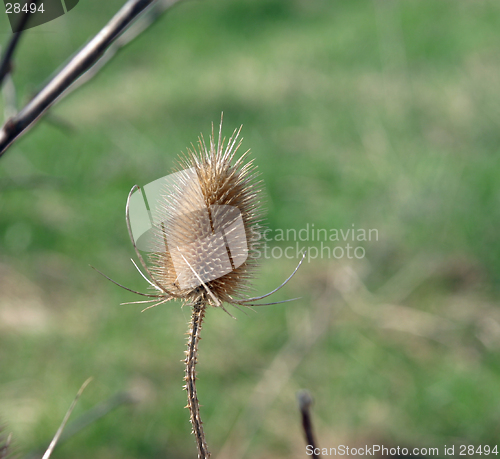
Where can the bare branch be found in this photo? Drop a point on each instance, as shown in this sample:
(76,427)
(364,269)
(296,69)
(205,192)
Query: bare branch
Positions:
(130,34)
(80,63)
(6,63)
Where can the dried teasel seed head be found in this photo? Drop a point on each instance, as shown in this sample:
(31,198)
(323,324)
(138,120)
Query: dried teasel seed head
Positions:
(210,212)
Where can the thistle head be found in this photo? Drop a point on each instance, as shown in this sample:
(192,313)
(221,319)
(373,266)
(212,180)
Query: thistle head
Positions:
(208,213)
(199,227)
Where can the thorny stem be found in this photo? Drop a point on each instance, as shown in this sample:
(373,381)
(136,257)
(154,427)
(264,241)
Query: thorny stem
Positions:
(191,359)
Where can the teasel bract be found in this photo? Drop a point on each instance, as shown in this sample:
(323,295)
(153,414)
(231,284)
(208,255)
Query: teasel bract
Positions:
(207,216)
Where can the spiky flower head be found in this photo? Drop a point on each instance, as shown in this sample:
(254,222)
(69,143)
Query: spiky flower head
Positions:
(210,211)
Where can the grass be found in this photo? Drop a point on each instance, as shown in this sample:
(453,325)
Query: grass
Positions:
(379,114)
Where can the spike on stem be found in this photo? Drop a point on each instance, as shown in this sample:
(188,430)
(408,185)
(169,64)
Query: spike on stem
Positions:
(197,316)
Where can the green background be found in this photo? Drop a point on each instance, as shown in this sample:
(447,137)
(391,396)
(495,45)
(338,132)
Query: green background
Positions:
(379,114)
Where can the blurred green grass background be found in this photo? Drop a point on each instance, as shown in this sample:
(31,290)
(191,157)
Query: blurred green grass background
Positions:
(378,114)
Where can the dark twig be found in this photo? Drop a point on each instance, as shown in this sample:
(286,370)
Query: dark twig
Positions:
(6,62)
(305,401)
(79,64)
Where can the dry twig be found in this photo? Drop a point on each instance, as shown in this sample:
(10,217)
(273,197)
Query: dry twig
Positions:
(84,60)
(59,432)
(6,62)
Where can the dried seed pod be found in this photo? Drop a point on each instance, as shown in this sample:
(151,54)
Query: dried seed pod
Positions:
(204,222)
(207,215)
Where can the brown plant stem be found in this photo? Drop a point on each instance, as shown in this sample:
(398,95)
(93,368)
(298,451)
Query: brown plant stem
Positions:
(191,359)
